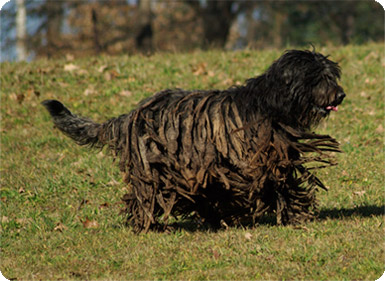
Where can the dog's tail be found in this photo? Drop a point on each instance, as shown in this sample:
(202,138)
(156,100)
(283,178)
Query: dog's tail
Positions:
(82,130)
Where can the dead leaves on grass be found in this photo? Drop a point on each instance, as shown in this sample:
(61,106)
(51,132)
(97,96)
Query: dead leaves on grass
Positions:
(216,254)
(110,75)
(380,129)
(125,93)
(70,67)
(201,69)
(87,223)
(28,95)
(4,219)
(359,193)
(248,236)
(90,90)
(60,227)
(17,222)
(108,72)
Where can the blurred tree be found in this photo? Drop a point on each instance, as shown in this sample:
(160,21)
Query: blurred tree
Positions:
(144,36)
(21,18)
(217,18)
(319,22)
(176,27)
(101,27)
(89,27)
(53,12)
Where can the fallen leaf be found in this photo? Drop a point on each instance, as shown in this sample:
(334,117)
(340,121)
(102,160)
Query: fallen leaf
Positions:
(125,93)
(107,76)
(21,190)
(82,203)
(20,98)
(43,70)
(359,193)
(82,72)
(77,164)
(113,183)
(363,94)
(380,129)
(114,73)
(228,82)
(90,224)
(300,227)
(371,55)
(248,235)
(4,219)
(102,68)
(70,67)
(70,57)
(91,179)
(62,156)
(216,254)
(89,91)
(104,205)
(199,69)
(372,112)
(13,96)
(60,227)
(22,221)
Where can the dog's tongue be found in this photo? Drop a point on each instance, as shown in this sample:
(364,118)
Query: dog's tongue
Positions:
(334,108)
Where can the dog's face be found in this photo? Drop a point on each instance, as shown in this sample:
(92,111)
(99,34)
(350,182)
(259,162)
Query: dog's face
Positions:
(327,98)
(310,85)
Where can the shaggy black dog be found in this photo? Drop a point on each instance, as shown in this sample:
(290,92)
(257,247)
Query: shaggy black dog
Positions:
(227,157)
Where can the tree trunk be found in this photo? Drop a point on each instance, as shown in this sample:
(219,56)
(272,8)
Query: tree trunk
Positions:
(144,36)
(217,20)
(347,29)
(21,18)
(54,11)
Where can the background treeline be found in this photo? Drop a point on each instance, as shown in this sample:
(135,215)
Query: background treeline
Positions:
(85,27)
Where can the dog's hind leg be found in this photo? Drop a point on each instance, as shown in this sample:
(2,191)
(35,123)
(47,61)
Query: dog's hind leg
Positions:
(141,207)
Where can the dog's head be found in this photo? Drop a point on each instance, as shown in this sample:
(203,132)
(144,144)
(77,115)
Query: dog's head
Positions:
(305,85)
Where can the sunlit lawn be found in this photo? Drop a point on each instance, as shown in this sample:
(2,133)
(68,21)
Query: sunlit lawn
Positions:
(60,203)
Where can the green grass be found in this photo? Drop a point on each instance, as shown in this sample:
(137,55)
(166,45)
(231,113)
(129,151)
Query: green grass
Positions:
(60,202)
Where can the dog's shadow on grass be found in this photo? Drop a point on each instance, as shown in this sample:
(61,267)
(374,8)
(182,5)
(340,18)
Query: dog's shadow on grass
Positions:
(323,214)
(338,213)
(359,211)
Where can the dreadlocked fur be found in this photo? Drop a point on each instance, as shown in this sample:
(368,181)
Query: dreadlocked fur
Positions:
(227,157)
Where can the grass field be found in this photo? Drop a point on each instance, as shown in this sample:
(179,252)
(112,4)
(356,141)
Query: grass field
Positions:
(60,202)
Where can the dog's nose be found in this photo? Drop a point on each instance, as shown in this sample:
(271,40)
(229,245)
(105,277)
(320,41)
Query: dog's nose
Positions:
(340,96)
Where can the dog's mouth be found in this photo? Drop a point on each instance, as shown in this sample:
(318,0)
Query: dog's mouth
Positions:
(334,105)
(331,108)
(324,110)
